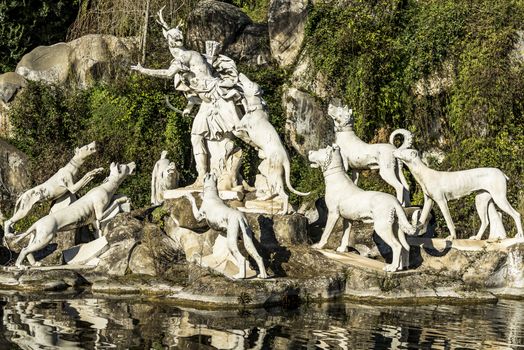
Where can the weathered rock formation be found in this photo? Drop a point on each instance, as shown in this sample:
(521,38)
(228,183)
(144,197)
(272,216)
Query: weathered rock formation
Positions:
(10,83)
(286,23)
(241,39)
(80,62)
(307,125)
(14,176)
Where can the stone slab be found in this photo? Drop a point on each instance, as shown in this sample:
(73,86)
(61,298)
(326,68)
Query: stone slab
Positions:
(433,295)
(181,192)
(263,207)
(354,260)
(83,253)
(256,211)
(113,286)
(46,268)
(464,244)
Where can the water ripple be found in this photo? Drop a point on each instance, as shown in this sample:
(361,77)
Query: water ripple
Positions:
(92,323)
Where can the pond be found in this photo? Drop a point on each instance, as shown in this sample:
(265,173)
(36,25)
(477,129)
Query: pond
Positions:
(88,322)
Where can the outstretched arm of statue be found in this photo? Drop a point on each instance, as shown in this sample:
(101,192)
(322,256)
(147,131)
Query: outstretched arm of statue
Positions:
(161,73)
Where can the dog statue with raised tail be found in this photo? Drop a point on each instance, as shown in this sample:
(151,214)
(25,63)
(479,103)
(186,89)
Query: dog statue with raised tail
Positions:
(344,199)
(442,186)
(275,166)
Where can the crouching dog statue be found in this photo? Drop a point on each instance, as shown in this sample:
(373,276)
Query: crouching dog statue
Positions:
(221,217)
(94,207)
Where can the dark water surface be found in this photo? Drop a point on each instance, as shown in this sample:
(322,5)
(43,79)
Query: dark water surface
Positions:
(94,323)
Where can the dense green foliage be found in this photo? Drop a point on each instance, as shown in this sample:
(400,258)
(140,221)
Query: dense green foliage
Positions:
(256,9)
(445,69)
(25,24)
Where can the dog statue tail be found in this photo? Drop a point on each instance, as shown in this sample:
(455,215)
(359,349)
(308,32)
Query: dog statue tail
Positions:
(287,176)
(404,227)
(26,200)
(403,222)
(407,138)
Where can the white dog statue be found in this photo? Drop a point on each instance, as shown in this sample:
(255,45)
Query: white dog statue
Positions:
(164,177)
(60,184)
(263,136)
(441,186)
(221,217)
(93,207)
(344,198)
(359,155)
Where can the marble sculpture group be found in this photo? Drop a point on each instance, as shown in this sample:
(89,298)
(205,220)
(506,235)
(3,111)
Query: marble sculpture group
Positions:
(231,105)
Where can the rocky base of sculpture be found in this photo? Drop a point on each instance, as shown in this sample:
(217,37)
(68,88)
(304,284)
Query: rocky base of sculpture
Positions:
(160,253)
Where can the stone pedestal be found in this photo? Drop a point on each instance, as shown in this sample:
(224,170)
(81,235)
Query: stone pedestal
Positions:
(279,230)
(181,192)
(222,261)
(272,206)
(441,244)
(85,253)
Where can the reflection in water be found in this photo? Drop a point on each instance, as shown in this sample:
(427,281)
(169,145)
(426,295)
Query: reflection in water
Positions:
(91,323)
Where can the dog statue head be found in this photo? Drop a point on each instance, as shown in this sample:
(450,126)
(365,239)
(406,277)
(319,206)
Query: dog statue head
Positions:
(325,158)
(169,170)
(249,87)
(118,172)
(210,182)
(85,151)
(407,155)
(342,115)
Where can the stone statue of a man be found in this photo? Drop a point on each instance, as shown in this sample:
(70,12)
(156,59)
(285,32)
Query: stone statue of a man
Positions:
(208,80)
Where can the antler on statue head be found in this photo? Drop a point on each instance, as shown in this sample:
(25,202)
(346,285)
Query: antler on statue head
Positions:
(160,20)
(175,33)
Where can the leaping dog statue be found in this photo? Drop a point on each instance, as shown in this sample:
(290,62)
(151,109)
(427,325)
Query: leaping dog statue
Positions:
(56,186)
(93,207)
